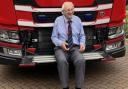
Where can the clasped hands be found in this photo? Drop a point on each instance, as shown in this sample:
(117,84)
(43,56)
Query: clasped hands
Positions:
(65,44)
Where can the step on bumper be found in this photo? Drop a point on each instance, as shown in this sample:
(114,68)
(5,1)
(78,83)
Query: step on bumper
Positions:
(51,58)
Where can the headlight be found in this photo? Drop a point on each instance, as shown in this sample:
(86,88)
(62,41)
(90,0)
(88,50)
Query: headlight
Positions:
(113,46)
(10,51)
(115,32)
(9,36)
(13,35)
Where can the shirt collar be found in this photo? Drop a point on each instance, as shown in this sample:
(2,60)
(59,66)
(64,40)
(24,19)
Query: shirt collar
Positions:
(66,20)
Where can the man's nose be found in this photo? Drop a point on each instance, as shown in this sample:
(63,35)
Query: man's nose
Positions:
(70,11)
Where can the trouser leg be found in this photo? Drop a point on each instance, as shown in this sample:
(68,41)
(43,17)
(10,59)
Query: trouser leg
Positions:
(79,63)
(63,66)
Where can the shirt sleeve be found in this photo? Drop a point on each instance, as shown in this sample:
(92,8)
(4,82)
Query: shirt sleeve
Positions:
(55,34)
(82,34)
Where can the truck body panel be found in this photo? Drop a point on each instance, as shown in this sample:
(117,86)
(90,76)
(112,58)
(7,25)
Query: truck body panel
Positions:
(7,13)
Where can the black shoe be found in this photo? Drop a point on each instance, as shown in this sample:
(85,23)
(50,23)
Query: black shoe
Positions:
(77,88)
(66,88)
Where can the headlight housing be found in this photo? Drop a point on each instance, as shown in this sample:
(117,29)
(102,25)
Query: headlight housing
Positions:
(12,51)
(113,46)
(9,36)
(115,32)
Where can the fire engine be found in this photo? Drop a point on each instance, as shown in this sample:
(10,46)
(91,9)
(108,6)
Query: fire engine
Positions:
(26,27)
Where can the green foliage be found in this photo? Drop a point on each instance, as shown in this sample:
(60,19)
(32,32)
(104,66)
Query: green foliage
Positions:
(126,25)
(126,7)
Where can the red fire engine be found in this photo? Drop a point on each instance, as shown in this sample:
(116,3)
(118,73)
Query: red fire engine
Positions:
(26,27)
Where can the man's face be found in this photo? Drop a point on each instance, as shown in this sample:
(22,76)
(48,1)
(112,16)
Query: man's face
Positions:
(69,11)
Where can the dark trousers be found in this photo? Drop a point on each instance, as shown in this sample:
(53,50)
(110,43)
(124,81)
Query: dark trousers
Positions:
(78,60)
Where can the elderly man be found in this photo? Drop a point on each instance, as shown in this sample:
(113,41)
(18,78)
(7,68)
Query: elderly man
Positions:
(69,39)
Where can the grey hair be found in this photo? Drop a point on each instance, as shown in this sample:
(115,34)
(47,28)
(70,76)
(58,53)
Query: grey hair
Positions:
(62,8)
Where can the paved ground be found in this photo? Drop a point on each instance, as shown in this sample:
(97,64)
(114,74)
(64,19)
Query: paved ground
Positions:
(99,75)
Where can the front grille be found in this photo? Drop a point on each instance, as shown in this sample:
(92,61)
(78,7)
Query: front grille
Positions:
(101,35)
(90,38)
(90,35)
(46,47)
(50,17)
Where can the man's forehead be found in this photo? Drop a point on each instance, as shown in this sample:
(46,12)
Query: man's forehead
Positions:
(68,5)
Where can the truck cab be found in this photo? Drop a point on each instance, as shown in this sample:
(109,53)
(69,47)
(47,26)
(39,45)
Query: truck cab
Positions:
(26,27)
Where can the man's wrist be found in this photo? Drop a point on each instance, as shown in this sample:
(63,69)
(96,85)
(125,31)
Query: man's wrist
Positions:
(83,44)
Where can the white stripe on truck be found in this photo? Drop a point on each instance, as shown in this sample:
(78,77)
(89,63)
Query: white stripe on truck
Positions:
(32,9)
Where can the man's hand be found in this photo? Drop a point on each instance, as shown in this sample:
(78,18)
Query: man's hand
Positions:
(82,48)
(63,46)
